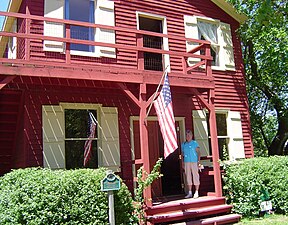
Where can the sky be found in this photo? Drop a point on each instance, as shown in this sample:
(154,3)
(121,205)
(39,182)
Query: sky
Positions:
(3,7)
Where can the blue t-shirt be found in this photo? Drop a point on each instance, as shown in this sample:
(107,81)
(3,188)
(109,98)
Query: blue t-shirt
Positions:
(189,151)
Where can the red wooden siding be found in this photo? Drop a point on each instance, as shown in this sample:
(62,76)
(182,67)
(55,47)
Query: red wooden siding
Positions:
(230,92)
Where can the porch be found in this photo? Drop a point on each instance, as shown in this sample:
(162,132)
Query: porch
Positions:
(32,61)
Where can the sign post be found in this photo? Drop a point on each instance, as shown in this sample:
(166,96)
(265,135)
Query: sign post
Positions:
(110,183)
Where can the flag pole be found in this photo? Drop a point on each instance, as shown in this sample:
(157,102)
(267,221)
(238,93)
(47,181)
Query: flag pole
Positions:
(155,94)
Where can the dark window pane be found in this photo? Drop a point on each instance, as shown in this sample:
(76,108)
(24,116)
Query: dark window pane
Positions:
(221,124)
(76,123)
(74,155)
(77,126)
(222,148)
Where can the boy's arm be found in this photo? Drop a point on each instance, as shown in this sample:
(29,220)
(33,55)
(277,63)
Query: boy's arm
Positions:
(199,154)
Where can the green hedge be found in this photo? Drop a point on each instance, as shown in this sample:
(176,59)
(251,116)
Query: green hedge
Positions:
(37,196)
(244,181)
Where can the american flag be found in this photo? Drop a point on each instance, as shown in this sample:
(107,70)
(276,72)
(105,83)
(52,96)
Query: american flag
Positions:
(88,143)
(164,110)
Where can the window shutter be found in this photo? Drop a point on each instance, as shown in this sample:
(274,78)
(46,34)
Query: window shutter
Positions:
(191,31)
(109,149)
(201,131)
(53,137)
(226,47)
(104,15)
(54,9)
(234,131)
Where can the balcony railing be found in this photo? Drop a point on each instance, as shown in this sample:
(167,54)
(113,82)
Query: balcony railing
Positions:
(130,46)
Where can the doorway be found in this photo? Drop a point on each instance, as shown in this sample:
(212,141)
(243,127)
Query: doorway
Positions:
(171,183)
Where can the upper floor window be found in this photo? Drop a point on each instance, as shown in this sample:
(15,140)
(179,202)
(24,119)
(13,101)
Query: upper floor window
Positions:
(81,11)
(91,11)
(217,33)
(208,32)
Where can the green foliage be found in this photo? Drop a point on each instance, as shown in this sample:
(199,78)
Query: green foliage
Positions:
(143,181)
(251,180)
(264,37)
(42,196)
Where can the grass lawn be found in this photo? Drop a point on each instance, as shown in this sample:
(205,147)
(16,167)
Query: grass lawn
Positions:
(267,220)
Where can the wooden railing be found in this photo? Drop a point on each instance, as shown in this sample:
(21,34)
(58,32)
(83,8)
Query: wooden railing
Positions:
(30,30)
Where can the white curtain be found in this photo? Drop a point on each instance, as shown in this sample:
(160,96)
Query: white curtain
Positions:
(209,32)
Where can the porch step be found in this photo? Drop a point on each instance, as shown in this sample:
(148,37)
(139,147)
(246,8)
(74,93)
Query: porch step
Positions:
(188,209)
(217,220)
(184,204)
(189,213)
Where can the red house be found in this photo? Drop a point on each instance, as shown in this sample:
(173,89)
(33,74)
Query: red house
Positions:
(60,59)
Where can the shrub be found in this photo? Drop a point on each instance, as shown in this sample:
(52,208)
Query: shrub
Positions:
(42,196)
(244,181)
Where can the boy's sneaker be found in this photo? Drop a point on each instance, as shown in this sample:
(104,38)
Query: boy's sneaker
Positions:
(196,195)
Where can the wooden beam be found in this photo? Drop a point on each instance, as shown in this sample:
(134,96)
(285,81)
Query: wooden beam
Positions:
(199,97)
(144,141)
(215,151)
(6,80)
(103,73)
(129,93)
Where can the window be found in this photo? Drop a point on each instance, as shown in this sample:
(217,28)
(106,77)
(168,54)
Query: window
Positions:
(81,11)
(208,32)
(76,133)
(92,11)
(157,24)
(218,34)
(229,133)
(223,138)
(65,128)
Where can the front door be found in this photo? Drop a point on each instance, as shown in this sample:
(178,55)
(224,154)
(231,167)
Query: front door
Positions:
(171,181)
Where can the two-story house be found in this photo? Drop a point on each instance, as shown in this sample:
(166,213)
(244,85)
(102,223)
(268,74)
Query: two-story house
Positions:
(60,59)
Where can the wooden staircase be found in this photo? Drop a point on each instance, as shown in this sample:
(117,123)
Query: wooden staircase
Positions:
(9,116)
(203,210)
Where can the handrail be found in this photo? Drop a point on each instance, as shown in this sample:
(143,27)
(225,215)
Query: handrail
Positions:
(204,64)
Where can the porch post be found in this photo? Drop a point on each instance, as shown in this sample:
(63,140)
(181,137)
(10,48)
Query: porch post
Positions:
(144,141)
(214,146)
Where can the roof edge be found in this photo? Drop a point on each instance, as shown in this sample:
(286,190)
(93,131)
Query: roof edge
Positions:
(13,6)
(229,9)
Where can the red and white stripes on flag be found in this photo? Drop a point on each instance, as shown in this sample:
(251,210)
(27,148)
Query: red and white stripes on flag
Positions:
(164,110)
(91,135)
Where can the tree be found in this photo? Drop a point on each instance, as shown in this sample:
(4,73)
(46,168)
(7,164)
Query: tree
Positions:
(264,38)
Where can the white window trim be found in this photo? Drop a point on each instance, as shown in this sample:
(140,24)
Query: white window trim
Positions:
(165,31)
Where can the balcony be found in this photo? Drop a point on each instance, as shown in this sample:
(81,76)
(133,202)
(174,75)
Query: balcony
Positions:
(134,56)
